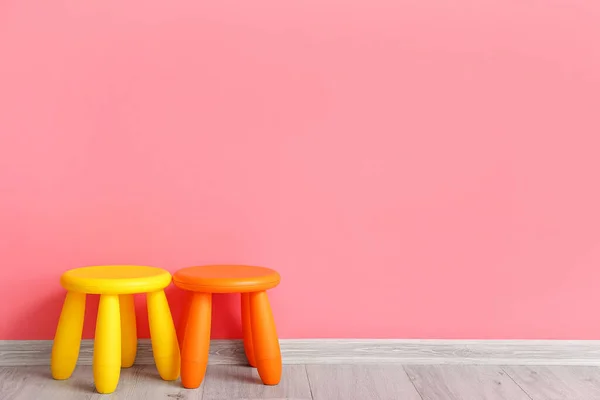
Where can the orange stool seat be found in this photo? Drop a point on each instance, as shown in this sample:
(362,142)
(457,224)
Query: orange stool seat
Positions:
(261,344)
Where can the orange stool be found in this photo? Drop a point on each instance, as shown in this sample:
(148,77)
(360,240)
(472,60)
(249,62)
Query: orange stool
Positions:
(260,337)
(115,343)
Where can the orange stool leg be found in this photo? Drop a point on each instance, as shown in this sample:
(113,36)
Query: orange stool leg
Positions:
(196,342)
(247,329)
(65,349)
(128,330)
(264,339)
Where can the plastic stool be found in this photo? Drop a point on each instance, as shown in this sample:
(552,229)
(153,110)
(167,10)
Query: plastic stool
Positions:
(260,336)
(115,343)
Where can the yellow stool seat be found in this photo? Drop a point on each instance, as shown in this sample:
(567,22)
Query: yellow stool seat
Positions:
(115,343)
(115,279)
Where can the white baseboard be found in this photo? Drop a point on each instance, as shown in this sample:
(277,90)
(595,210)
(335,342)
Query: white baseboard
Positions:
(350,351)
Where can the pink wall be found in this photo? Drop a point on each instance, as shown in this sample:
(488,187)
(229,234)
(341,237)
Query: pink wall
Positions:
(412,168)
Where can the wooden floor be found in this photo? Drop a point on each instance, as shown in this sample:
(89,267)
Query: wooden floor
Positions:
(321,382)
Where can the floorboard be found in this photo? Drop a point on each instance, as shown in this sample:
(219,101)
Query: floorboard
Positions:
(320,382)
(558,382)
(464,382)
(144,383)
(138,382)
(360,382)
(33,383)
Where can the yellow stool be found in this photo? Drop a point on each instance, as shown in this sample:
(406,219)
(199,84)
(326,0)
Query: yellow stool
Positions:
(115,344)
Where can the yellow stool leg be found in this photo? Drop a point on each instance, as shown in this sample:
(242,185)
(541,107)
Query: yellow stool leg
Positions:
(67,340)
(164,336)
(128,330)
(264,339)
(107,345)
(247,329)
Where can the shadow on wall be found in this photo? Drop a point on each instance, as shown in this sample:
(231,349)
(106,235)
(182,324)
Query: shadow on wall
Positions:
(41,319)
(226,312)
(37,321)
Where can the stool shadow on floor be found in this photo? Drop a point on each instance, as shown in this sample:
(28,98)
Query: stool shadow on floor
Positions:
(243,374)
(81,381)
(149,373)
